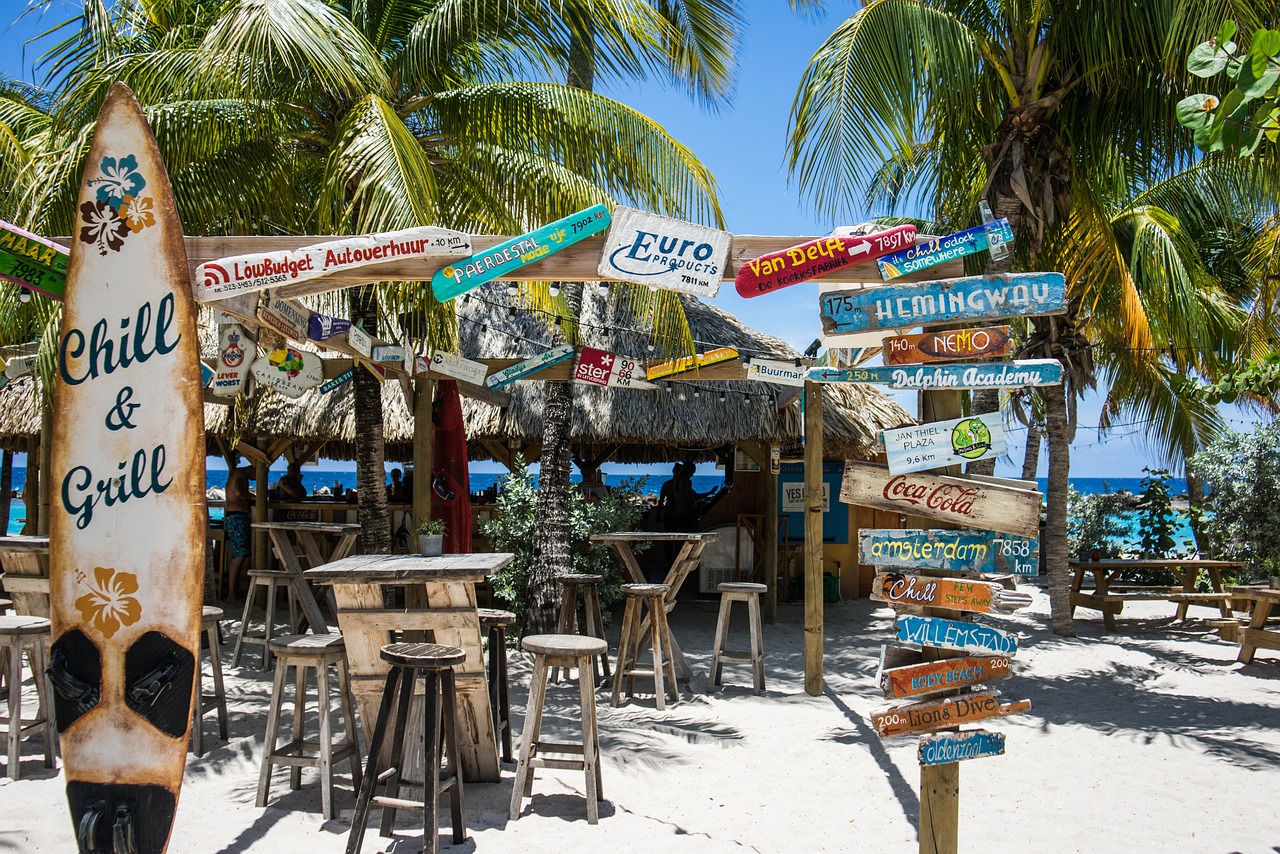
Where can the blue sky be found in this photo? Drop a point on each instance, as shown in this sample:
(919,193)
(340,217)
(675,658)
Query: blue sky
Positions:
(744,144)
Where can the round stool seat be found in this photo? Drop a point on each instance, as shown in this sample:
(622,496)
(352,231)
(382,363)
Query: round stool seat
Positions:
(564,645)
(429,655)
(646,590)
(12,624)
(495,617)
(740,587)
(580,578)
(210,614)
(307,644)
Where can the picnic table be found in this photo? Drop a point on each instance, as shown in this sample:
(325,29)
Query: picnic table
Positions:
(1256,634)
(686,560)
(294,542)
(440,599)
(1109,598)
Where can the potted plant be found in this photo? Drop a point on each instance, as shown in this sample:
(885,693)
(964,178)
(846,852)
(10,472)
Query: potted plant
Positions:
(430,537)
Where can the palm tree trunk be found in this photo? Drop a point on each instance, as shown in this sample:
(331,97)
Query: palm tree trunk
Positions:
(1054,542)
(371,479)
(1031,456)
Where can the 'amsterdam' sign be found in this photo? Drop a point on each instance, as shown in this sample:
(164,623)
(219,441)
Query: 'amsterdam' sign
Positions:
(29,260)
(776,371)
(954,551)
(947,674)
(256,272)
(519,370)
(817,258)
(943,498)
(948,346)
(496,261)
(944,747)
(1028,373)
(847,312)
(596,367)
(941,714)
(981,597)
(943,443)
(688,363)
(952,634)
(943,249)
(662,252)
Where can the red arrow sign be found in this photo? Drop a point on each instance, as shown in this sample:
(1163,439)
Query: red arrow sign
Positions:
(817,258)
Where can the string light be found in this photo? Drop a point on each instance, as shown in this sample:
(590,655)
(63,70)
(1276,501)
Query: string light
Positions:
(24,295)
(554,290)
(513,289)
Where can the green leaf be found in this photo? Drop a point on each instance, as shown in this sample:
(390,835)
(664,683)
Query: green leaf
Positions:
(1226,32)
(1196,111)
(1257,76)
(1267,42)
(1230,104)
(1209,139)
(1209,58)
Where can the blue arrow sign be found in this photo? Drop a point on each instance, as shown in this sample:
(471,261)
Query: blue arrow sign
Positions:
(532,365)
(952,634)
(922,256)
(944,747)
(1023,374)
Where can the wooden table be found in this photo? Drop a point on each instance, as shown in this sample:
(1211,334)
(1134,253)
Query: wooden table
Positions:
(440,593)
(686,561)
(1256,633)
(287,538)
(1110,603)
(25,561)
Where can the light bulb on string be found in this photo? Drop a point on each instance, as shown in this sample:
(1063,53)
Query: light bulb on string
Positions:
(24,295)
(554,290)
(722,397)
(513,289)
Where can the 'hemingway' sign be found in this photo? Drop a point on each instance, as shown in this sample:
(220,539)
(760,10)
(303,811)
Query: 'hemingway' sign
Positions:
(952,634)
(941,714)
(900,307)
(943,498)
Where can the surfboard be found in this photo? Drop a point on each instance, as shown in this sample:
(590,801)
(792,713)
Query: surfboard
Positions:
(128,518)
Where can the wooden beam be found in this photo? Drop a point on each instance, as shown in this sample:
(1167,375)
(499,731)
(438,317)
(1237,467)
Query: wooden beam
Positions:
(261,553)
(498,452)
(252,453)
(813,606)
(276,448)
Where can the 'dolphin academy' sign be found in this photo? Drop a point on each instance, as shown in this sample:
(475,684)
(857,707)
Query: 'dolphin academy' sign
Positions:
(662,252)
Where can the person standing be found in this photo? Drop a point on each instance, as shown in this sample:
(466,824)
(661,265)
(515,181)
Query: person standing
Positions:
(291,486)
(235,523)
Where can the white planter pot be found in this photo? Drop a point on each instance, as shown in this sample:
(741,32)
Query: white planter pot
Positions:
(430,545)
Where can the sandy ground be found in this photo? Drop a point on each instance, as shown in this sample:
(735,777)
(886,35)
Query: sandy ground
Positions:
(1152,739)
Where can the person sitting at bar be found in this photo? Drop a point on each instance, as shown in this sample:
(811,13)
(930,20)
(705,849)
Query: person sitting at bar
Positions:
(395,489)
(291,487)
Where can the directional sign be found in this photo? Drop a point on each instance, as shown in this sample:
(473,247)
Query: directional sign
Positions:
(941,714)
(1017,555)
(817,258)
(946,499)
(944,443)
(596,367)
(948,346)
(506,376)
(334,383)
(688,363)
(321,327)
(20,366)
(847,312)
(776,371)
(933,677)
(954,551)
(952,634)
(1027,373)
(236,351)
(388,353)
(261,270)
(360,341)
(943,249)
(453,365)
(288,371)
(496,261)
(981,597)
(661,252)
(284,316)
(944,747)
(29,260)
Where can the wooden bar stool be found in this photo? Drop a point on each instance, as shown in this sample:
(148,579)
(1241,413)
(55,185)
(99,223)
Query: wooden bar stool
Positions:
(434,663)
(566,651)
(29,635)
(270,580)
(210,618)
(589,586)
(303,653)
(496,622)
(640,596)
(730,592)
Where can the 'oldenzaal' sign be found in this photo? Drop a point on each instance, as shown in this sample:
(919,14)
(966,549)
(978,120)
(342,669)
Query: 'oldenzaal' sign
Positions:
(943,443)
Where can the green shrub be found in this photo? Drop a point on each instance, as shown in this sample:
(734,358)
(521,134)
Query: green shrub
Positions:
(1242,474)
(1094,524)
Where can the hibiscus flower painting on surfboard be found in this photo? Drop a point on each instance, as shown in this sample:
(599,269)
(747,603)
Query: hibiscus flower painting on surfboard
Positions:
(127,522)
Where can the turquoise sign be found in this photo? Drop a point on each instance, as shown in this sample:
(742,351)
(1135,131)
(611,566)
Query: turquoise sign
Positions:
(953,634)
(496,261)
(337,382)
(952,551)
(922,256)
(945,747)
(1024,374)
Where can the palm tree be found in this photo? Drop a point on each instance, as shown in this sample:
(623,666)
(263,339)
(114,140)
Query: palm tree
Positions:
(1051,110)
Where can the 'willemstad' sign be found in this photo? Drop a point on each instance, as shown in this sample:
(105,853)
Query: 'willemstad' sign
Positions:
(952,634)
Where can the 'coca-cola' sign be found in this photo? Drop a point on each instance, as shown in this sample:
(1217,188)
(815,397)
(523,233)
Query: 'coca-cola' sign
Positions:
(945,496)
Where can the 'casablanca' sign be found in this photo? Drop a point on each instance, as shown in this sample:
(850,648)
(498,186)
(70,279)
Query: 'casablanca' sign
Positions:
(947,674)
(943,498)
(596,367)
(816,258)
(662,252)
(519,370)
(29,260)
(943,249)
(943,443)
(776,371)
(944,747)
(948,346)
(980,597)
(288,371)
(940,714)
(1027,373)
(847,312)
(952,634)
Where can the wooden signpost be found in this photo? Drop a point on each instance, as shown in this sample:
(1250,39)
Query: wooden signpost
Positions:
(940,748)
(980,597)
(944,443)
(661,252)
(947,346)
(236,351)
(32,262)
(958,500)
(777,371)
(596,367)
(951,551)
(128,517)
(554,356)
(952,634)
(934,677)
(288,371)
(932,715)
(845,313)
(817,258)
(259,271)
(455,367)
(943,249)
(497,261)
(1028,373)
(360,341)
(688,363)
(284,316)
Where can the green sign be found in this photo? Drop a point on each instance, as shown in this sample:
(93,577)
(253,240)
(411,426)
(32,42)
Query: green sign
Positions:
(32,262)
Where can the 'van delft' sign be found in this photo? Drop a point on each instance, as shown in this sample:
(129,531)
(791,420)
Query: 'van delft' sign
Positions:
(845,313)
(662,252)
(943,249)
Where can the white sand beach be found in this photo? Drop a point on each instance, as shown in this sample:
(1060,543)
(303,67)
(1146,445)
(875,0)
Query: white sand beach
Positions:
(1150,739)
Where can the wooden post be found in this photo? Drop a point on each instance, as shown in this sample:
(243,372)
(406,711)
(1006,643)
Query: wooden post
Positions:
(424,391)
(770,606)
(46,451)
(31,487)
(261,555)
(812,539)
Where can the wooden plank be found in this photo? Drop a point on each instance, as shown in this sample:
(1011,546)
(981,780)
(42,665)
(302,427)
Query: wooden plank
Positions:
(981,597)
(691,363)
(932,677)
(816,258)
(364,644)
(940,633)
(942,498)
(792,373)
(409,619)
(813,555)
(948,345)
(954,551)
(940,443)
(901,307)
(942,748)
(931,715)
(32,262)
(1026,373)
(598,367)
(559,353)
(1010,482)
(950,247)
(661,252)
